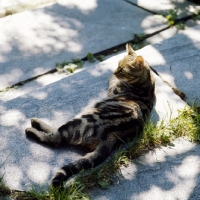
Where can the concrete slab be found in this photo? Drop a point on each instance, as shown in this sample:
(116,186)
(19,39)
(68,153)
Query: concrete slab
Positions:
(35,40)
(183,7)
(27,162)
(177,61)
(166,173)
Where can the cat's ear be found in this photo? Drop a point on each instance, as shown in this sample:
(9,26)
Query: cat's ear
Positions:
(139,61)
(129,50)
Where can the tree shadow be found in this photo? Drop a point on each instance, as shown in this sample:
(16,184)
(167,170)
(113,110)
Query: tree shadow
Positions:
(166,173)
(30,163)
(33,163)
(172,175)
(34,41)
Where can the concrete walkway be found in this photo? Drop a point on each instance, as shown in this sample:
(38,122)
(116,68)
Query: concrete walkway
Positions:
(35,40)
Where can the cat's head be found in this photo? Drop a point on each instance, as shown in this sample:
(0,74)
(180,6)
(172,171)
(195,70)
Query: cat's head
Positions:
(132,68)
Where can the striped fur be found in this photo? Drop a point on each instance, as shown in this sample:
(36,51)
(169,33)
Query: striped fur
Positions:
(129,101)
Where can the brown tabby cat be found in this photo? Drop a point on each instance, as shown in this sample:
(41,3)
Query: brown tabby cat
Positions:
(129,101)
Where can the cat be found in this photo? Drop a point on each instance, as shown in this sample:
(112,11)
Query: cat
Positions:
(130,99)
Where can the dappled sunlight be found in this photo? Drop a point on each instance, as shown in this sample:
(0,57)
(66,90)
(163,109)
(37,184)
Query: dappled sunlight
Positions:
(150,23)
(98,71)
(40,95)
(193,35)
(152,55)
(177,62)
(159,37)
(50,78)
(109,65)
(188,75)
(176,169)
(167,103)
(64,31)
(40,153)
(191,162)
(12,118)
(39,172)
(158,5)
(167,172)
(56,38)
(130,172)
(85,6)
(91,102)
(183,7)
(6,78)
(13,176)
(48,105)
(181,177)
(41,37)
(49,38)
(59,114)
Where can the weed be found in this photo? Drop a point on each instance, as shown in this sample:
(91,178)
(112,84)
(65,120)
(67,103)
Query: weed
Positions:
(138,41)
(180,26)
(4,190)
(69,66)
(139,37)
(100,57)
(140,45)
(90,57)
(196,15)
(171,16)
(74,191)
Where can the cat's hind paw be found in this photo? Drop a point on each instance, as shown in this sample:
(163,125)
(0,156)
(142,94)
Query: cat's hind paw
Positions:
(40,125)
(32,134)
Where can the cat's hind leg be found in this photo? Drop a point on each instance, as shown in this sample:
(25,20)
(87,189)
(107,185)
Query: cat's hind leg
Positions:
(41,126)
(52,138)
(91,160)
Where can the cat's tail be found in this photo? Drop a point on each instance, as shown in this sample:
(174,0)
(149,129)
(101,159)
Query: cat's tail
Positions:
(89,161)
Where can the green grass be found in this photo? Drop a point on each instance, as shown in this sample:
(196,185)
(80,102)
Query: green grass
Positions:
(186,125)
